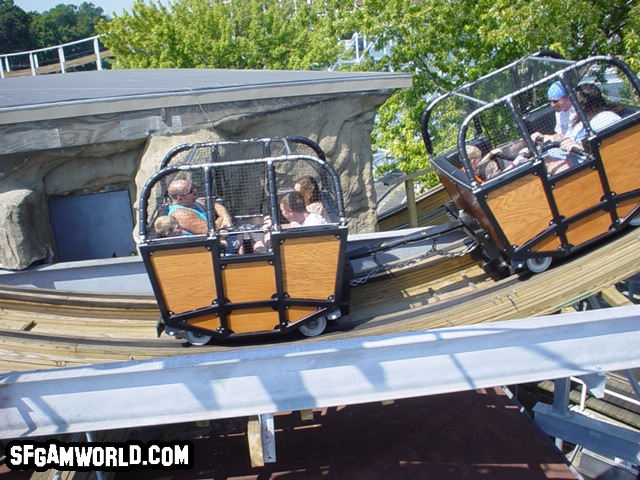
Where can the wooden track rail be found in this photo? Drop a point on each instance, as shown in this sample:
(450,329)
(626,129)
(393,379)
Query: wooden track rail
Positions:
(49,328)
(517,296)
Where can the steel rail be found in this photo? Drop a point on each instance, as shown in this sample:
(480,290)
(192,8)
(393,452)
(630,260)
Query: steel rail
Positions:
(230,384)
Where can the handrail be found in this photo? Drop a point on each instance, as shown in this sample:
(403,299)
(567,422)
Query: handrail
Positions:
(407,179)
(359,53)
(584,390)
(5,67)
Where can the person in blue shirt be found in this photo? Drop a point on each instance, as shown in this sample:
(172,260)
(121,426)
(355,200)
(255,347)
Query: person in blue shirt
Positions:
(190,213)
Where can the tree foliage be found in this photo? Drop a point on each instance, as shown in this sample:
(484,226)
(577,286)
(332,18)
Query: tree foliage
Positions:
(444,43)
(251,34)
(21,31)
(441,43)
(64,24)
(14,28)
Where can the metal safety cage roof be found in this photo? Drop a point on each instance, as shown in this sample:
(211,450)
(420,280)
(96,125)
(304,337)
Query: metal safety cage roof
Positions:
(502,106)
(247,177)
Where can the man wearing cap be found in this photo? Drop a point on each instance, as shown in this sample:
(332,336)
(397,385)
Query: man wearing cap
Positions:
(561,103)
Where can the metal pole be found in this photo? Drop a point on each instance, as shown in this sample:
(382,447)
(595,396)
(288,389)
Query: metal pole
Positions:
(96,48)
(561,390)
(31,62)
(61,57)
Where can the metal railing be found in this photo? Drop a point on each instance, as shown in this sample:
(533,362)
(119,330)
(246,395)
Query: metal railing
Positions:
(299,376)
(360,47)
(358,44)
(62,63)
(409,187)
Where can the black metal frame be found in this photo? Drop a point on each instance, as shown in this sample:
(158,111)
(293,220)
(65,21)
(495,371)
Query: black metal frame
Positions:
(220,306)
(464,178)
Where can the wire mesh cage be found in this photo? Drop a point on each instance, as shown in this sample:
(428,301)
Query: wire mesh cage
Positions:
(236,188)
(537,108)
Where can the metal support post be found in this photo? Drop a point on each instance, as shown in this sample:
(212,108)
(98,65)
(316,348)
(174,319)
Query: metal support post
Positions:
(561,390)
(96,49)
(32,60)
(61,57)
(261,436)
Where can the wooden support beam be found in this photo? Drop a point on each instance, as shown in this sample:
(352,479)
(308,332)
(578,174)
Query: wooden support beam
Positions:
(255,442)
(412,210)
(614,298)
(261,438)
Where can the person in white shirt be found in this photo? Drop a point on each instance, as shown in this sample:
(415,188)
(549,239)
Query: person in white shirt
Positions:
(561,103)
(599,113)
(293,208)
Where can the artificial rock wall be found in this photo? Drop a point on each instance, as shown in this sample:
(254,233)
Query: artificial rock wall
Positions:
(92,154)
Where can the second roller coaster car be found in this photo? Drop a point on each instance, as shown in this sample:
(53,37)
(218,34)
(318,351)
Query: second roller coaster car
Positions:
(541,158)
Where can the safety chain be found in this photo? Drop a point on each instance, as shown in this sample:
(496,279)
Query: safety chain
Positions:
(380,267)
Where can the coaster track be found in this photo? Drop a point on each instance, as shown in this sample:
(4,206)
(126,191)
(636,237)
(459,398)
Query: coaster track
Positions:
(52,328)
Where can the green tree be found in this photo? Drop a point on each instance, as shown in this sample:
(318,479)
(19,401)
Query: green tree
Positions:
(64,24)
(14,28)
(254,34)
(444,43)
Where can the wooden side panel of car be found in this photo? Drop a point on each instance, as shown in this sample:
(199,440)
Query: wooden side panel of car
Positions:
(208,321)
(249,282)
(588,228)
(579,192)
(625,207)
(521,209)
(621,159)
(185,277)
(296,313)
(252,320)
(550,243)
(310,266)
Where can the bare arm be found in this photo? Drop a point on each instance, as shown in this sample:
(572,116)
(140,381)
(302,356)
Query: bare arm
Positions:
(223,219)
(541,137)
(567,145)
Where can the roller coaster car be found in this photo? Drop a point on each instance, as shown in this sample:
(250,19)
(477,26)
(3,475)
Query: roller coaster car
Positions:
(220,284)
(526,210)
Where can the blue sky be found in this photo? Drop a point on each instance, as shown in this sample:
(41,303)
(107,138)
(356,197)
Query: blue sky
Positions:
(109,6)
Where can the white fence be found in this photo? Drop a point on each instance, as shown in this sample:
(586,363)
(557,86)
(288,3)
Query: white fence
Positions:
(359,46)
(36,61)
(75,55)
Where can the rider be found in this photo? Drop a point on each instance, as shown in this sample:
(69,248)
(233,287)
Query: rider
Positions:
(189,212)
(561,103)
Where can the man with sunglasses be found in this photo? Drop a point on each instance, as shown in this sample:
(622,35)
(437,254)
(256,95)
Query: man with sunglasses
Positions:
(190,213)
(561,103)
